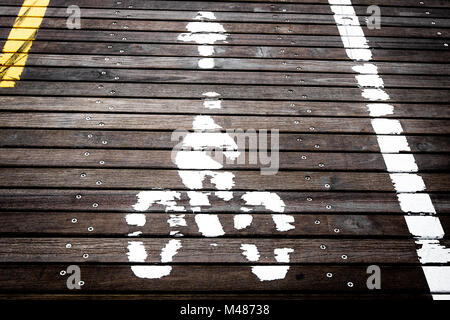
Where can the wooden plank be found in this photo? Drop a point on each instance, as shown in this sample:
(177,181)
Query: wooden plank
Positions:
(183,50)
(114,224)
(124,200)
(163,297)
(232,39)
(234,16)
(224,77)
(16,157)
(244,180)
(241,107)
(184,122)
(233,27)
(162,140)
(232,64)
(241,7)
(194,278)
(227,251)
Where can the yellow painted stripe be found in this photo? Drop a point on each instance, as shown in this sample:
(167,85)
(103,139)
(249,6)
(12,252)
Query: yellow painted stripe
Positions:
(15,51)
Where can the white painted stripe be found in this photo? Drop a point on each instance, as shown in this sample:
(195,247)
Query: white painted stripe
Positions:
(209,225)
(423,227)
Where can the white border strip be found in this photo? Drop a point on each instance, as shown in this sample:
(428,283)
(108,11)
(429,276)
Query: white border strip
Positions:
(421,222)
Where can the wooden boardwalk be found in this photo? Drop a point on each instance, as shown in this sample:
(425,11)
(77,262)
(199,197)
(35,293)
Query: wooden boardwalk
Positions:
(104,131)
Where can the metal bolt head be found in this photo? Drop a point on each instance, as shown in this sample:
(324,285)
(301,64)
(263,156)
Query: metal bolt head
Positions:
(101,162)
(62,272)
(309,199)
(81,283)
(344,257)
(99,182)
(323,247)
(74,220)
(85,256)
(78,196)
(68,246)
(327,186)
(90,229)
(317,222)
(317,146)
(350,284)
(86,153)
(329,275)
(95,205)
(89,136)
(336,230)
(321,165)
(303,157)
(104,142)
(83,175)
(307,178)
(328,206)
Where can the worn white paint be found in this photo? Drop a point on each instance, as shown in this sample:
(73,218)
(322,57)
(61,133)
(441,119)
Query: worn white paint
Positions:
(177,220)
(135,234)
(283,222)
(366,68)
(204,140)
(270,273)
(269,200)
(136,219)
(425,227)
(421,226)
(380,109)
(250,251)
(212,104)
(170,250)
(194,179)
(432,252)
(407,182)
(202,38)
(168,199)
(370,80)
(206,27)
(393,144)
(151,272)
(205,123)
(438,278)
(242,221)
(224,195)
(209,225)
(400,162)
(205,50)
(416,203)
(386,126)
(136,251)
(196,160)
(375,94)
(206,63)
(282,254)
(205,15)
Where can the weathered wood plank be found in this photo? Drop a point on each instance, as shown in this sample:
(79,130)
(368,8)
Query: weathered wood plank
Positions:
(231,27)
(234,16)
(162,140)
(241,107)
(225,251)
(163,159)
(133,49)
(244,180)
(42,278)
(184,122)
(240,6)
(232,64)
(224,77)
(231,39)
(124,200)
(114,224)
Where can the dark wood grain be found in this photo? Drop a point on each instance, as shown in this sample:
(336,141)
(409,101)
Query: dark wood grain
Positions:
(114,224)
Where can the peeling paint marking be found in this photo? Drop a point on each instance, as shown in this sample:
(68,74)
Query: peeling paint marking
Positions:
(15,51)
(420,219)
